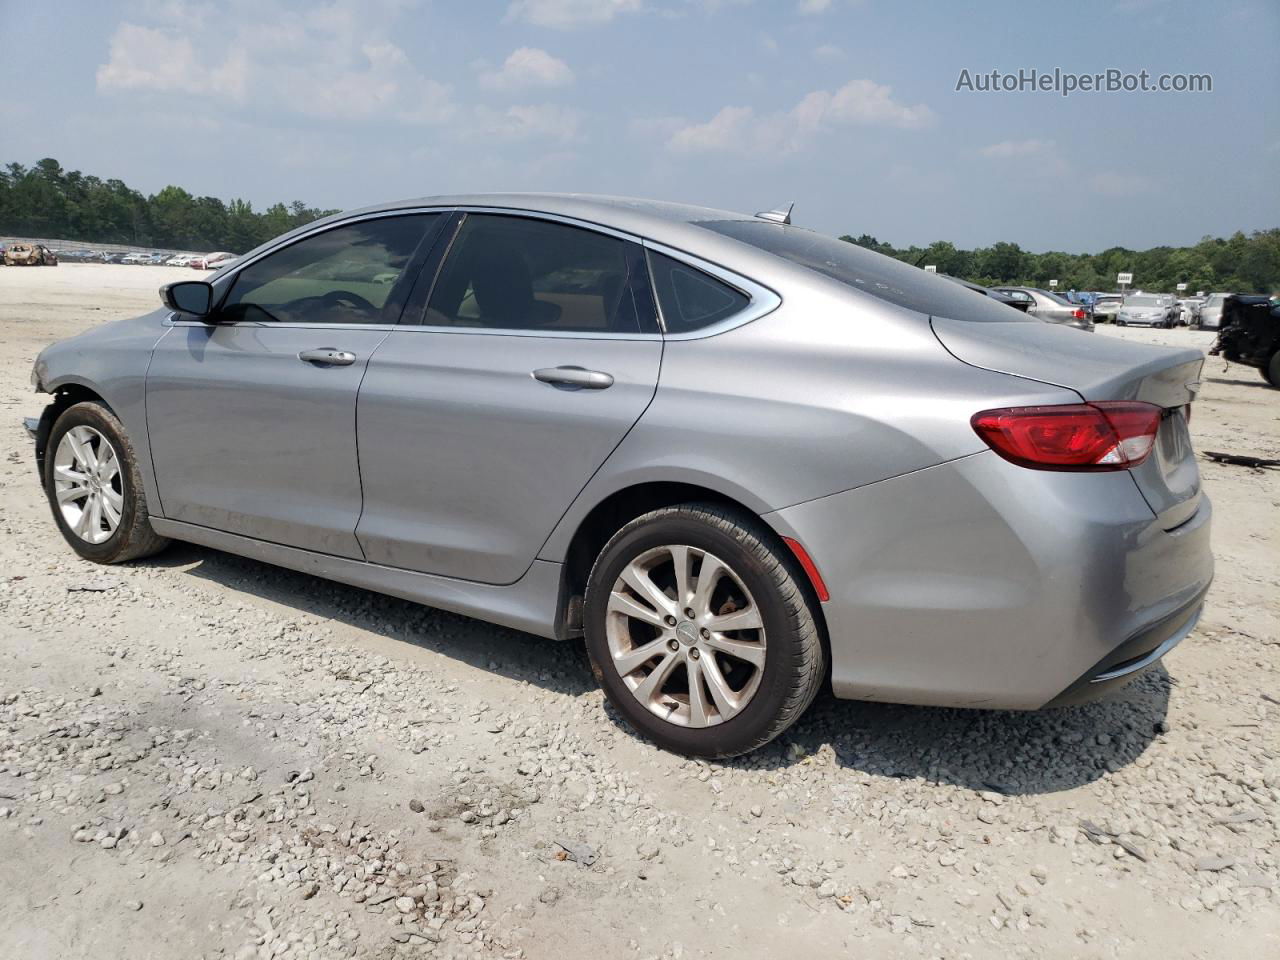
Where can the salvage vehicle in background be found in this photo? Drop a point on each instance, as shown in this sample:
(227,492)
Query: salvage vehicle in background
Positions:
(1211,311)
(211,261)
(1050,307)
(30,255)
(1251,334)
(742,460)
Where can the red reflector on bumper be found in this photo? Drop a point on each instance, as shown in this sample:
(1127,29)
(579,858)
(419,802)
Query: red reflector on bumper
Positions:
(810,569)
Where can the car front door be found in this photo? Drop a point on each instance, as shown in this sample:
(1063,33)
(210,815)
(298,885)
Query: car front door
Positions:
(251,416)
(537,351)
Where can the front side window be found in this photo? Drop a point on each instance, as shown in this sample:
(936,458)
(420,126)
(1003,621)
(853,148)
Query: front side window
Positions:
(519,273)
(344,275)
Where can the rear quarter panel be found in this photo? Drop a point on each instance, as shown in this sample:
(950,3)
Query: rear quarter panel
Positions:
(832,391)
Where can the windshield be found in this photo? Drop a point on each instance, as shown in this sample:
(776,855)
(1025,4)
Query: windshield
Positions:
(1215,300)
(872,273)
(1055,297)
(1142,301)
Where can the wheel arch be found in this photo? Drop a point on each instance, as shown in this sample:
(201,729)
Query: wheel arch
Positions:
(65,394)
(614,511)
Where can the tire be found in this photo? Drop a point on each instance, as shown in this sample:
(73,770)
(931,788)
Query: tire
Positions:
(1271,372)
(761,577)
(120,490)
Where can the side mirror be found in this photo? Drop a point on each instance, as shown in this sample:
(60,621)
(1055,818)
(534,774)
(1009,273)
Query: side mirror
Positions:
(192,297)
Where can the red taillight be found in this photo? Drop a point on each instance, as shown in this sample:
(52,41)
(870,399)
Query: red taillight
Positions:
(1077,436)
(1078,314)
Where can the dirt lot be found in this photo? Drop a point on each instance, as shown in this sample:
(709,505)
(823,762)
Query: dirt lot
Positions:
(203,756)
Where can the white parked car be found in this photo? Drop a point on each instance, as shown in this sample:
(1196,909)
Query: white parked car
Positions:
(136,258)
(181,260)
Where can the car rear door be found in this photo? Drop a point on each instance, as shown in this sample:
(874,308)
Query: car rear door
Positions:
(252,417)
(535,352)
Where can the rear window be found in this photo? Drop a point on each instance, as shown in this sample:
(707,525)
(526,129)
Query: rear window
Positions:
(882,277)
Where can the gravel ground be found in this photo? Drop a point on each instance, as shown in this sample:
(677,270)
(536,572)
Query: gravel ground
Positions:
(204,756)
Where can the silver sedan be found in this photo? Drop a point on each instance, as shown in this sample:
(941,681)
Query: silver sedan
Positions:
(741,461)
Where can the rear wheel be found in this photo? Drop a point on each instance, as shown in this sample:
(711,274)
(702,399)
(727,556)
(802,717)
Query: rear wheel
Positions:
(1271,372)
(700,632)
(91,479)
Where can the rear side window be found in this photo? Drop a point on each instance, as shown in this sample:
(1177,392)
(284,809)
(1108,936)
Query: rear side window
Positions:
(518,273)
(872,273)
(344,275)
(690,299)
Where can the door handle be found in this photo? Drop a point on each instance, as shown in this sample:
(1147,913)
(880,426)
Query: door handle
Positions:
(574,378)
(329,356)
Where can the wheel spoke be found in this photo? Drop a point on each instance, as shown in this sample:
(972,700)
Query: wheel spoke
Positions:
(726,701)
(72,493)
(82,525)
(708,576)
(681,560)
(621,603)
(697,695)
(637,656)
(108,466)
(654,682)
(110,511)
(751,653)
(747,619)
(82,450)
(95,518)
(639,581)
(72,476)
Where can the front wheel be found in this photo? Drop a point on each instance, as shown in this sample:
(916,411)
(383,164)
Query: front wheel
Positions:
(702,631)
(1271,372)
(92,481)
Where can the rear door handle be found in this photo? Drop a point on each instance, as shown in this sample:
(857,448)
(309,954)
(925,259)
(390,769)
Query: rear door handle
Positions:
(329,356)
(575,378)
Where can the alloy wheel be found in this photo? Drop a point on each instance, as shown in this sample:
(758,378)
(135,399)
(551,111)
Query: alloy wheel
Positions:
(88,484)
(685,636)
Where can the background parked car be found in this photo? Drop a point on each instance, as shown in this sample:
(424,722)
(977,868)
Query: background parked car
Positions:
(988,292)
(135,258)
(1049,307)
(30,255)
(212,261)
(1211,312)
(1145,310)
(1106,306)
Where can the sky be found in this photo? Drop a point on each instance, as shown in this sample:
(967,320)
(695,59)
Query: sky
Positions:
(850,108)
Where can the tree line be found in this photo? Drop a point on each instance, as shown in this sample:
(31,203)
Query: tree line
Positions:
(1237,264)
(45,200)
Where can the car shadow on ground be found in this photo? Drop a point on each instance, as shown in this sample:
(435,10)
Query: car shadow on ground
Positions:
(1010,752)
(1240,383)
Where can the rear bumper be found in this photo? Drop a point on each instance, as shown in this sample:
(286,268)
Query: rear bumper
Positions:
(978,583)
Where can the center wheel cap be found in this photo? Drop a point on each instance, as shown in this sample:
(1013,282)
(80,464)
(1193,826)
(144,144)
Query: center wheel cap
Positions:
(687,633)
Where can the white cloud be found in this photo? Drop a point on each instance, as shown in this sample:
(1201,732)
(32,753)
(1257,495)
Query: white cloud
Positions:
(828,52)
(811,7)
(333,61)
(1017,148)
(567,14)
(1110,183)
(727,130)
(528,67)
(857,103)
(143,58)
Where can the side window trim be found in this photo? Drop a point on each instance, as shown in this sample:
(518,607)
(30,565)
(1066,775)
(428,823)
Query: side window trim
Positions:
(639,282)
(761,300)
(425,244)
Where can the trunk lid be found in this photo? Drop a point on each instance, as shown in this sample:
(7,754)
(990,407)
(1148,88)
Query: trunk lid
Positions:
(1102,368)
